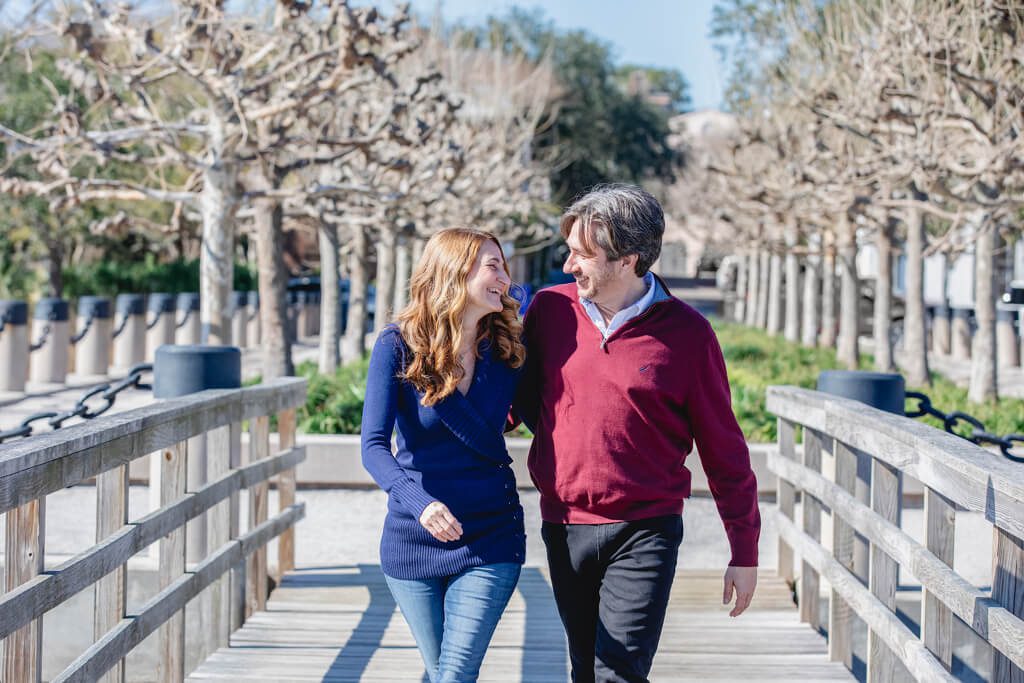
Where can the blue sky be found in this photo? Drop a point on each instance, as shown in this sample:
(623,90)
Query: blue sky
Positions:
(663,33)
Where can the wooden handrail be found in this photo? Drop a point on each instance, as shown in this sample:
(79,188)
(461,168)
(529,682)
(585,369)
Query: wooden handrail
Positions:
(102,448)
(957,475)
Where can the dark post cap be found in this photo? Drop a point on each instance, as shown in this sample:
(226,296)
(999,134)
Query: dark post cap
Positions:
(964,313)
(95,306)
(187,369)
(130,304)
(239,299)
(14,312)
(51,309)
(161,303)
(188,301)
(1008,312)
(882,390)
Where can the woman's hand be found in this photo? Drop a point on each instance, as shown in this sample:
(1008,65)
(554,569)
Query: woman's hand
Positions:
(440,522)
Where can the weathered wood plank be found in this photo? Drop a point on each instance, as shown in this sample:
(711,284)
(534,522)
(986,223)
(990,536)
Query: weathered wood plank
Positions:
(55,460)
(286,492)
(939,536)
(1008,591)
(259,494)
(24,547)
(44,592)
(994,623)
(840,617)
(810,584)
(172,599)
(111,591)
(878,617)
(171,649)
(218,519)
(786,495)
(885,502)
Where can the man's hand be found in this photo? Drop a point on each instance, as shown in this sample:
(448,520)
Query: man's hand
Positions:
(440,522)
(744,581)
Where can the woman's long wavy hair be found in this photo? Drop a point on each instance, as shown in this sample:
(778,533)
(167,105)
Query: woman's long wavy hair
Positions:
(431,325)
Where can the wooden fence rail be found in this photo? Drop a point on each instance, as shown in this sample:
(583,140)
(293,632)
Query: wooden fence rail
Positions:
(865,502)
(231,564)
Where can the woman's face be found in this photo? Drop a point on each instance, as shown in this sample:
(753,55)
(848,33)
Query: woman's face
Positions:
(487,281)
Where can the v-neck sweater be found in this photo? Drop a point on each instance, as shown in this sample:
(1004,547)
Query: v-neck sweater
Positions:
(452,452)
(615,418)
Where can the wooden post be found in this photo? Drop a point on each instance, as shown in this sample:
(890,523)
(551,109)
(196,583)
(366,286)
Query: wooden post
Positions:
(112,590)
(937,619)
(1008,591)
(256,572)
(24,547)
(785,496)
(840,642)
(809,580)
(171,664)
(286,492)
(238,575)
(885,500)
(218,464)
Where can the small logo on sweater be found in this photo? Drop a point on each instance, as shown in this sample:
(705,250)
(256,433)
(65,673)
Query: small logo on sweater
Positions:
(643,368)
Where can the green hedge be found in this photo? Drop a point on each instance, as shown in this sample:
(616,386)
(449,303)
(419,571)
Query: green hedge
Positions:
(110,278)
(755,361)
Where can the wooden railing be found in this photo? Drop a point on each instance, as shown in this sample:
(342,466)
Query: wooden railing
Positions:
(232,564)
(956,476)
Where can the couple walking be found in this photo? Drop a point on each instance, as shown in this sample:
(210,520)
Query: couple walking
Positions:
(615,378)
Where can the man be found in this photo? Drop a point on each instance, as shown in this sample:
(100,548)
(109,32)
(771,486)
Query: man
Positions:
(621,380)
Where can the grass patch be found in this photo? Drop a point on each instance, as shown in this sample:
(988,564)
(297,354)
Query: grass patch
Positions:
(756,361)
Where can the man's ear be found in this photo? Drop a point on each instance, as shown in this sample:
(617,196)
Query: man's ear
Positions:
(629,262)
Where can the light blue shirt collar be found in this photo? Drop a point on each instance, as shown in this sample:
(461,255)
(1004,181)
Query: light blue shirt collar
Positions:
(626,314)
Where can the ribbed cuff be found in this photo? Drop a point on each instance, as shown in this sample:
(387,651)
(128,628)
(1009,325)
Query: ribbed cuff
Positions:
(744,548)
(412,496)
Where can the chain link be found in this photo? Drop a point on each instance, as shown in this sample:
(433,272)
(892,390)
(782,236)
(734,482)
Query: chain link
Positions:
(107,393)
(978,434)
(42,339)
(85,330)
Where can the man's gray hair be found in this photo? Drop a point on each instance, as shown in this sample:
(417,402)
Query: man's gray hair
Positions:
(620,219)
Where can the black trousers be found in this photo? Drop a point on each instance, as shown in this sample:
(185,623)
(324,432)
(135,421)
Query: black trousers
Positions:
(611,584)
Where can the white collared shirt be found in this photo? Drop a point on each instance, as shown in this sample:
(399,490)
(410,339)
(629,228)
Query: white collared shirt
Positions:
(626,314)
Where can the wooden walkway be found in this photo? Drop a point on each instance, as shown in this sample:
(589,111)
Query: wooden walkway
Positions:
(340,624)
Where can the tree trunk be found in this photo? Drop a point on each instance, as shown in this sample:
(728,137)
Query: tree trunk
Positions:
(915,338)
(828,292)
(983,386)
(385,297)
(273,288)
(329,322)
(809,327)
(55,261)
(753,287)
(882,327)
(403,271)
(763,290)
(740,302)
(774,325)
(792,327)
(354,343)
(848,348)
(217,205)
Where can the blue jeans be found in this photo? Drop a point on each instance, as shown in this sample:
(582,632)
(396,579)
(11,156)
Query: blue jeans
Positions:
(453,618)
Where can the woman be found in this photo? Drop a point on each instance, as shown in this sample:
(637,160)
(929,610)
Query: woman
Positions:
(453,541)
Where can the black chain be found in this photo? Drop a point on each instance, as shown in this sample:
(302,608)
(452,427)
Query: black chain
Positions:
(979,435)
(120,328)
(42,339)
(183,320)
(85,330)
(107,393)
(4,319)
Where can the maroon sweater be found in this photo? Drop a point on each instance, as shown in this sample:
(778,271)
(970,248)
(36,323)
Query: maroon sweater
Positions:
(614,422)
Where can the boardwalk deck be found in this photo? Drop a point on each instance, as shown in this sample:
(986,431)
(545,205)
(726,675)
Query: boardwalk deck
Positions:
(340,624)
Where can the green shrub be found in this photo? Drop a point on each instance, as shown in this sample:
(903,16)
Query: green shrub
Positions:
(756,361)
(110,278)
(334,403)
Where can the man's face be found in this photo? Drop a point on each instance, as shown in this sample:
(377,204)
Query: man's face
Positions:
(593,271)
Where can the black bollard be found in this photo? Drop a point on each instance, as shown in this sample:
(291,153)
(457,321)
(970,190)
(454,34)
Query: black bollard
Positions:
(51,336)
(13,346)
